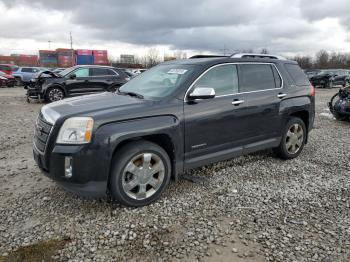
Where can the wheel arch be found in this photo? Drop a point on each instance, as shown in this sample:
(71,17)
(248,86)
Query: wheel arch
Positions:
(161,139)
(53,86)
(304,115)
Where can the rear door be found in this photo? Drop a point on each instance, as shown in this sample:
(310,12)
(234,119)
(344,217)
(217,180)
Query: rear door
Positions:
(262,86)
(101,78)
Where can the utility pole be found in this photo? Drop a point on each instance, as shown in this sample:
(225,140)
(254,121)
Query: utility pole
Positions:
(71,47)
(49,44)
(224,50)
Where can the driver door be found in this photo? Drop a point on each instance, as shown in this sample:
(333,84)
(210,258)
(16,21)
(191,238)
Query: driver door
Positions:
(215,128)
(80,84)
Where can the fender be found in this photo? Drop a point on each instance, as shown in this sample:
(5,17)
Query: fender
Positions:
(111,135)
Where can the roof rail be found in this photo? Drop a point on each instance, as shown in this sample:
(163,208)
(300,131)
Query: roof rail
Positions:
(207,56)
(251,55)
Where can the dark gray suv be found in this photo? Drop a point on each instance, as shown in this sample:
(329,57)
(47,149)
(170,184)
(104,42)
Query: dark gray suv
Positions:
(176,116)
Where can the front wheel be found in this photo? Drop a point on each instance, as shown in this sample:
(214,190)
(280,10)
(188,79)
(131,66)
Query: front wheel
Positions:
(54,94)
(140,173)
(293,140)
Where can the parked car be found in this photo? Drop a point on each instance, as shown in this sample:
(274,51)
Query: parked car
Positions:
(178,115)
(325,78)
(128,72)
(23,75)
(8,68)
(311,72)
(75,81)
(138,71)
(3,81)
(10,80)
(343,79)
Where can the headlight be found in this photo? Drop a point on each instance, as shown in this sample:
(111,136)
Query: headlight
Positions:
(76,130)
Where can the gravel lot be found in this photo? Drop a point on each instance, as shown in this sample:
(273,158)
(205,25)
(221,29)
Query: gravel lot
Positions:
(252,208)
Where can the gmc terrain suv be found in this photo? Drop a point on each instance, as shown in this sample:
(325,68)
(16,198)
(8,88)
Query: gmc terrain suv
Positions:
(176,116)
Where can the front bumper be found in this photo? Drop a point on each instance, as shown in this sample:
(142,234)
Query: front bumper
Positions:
(89,178)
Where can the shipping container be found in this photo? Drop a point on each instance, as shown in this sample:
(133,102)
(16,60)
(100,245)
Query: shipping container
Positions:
(84,60)
(100,53)
(84,52)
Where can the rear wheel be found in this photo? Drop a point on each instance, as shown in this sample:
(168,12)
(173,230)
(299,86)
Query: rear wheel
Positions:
(293,140)
(54,94)
(140,173)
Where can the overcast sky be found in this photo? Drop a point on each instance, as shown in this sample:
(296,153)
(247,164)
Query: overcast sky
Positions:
(286,27)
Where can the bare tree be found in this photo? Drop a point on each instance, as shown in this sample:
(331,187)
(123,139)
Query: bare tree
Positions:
(264,51)
(153,57)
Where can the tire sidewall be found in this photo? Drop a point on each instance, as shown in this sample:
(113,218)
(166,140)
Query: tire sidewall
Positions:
(284,151)
(122,158)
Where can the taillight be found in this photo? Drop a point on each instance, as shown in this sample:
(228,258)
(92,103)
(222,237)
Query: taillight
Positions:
(312,90)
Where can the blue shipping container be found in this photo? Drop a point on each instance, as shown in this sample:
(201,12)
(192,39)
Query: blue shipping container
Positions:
(85,60)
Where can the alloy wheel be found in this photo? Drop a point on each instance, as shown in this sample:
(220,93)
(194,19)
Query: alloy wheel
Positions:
(143,176)
(294,138)
(55,94)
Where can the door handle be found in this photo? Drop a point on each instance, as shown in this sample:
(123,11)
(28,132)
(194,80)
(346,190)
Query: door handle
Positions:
(86,81)
(281,95)
(237,102)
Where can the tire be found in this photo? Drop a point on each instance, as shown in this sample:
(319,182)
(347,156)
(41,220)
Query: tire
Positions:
(54,94)
(128,165)
(292,137)
(18,81)
(113,88)
(330,84)
(340,117)
(346,83)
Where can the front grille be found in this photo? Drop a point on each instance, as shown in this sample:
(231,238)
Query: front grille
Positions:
(41,133)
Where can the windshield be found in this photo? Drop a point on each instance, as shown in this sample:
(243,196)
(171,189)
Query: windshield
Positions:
(66,71)
(159,81)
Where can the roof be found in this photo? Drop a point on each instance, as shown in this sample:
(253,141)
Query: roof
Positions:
(208,61)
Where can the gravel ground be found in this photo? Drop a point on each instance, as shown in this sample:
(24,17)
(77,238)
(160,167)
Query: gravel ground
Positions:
(252,208)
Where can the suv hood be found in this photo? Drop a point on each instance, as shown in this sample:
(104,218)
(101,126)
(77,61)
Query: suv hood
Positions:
(92,105)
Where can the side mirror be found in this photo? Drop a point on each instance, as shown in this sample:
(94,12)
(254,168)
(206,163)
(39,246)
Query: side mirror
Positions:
(202,93)
(73,76)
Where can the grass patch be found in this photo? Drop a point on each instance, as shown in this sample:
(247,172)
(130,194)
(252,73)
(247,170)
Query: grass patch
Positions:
(42,251)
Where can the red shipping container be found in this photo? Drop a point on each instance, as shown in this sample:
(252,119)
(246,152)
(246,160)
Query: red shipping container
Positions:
(84,52)
(100,53)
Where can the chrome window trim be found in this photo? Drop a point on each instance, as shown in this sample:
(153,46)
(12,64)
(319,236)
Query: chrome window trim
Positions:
(238,63)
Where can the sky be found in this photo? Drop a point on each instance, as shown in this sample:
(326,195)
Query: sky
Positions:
(286,27)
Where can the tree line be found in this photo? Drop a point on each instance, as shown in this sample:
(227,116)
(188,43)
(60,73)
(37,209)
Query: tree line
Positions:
(324,60)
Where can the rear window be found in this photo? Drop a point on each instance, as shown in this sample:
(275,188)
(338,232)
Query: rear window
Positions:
(298,76)
(255,77)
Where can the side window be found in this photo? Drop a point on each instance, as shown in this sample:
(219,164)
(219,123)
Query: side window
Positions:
(99,72)
(111,72)
(26,70)
(298,76)
(222,78)
(276,75)
(82,72)
(255,77)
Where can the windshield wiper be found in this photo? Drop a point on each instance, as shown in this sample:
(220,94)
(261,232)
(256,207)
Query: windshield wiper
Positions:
(130,94)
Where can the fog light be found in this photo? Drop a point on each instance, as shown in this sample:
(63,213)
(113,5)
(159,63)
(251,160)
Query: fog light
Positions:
(68,170)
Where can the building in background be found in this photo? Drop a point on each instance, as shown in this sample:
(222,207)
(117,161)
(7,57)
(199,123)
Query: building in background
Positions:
(127,59)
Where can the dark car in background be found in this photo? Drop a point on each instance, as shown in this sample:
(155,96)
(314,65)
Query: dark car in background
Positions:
(75,81)
(325,78)
(343,79)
